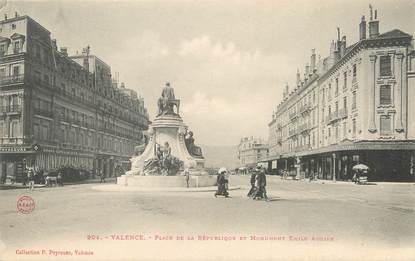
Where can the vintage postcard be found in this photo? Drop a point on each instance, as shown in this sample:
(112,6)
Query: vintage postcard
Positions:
(207,130)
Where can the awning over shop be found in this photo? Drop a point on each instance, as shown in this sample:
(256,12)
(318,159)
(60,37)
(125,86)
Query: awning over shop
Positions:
(349,146)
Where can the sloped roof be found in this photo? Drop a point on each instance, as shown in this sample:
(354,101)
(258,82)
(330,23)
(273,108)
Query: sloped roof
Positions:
(396,33)
(350,47)
(16,35)
(4,39)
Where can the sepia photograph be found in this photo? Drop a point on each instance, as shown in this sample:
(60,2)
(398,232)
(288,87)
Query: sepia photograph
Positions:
(207,130)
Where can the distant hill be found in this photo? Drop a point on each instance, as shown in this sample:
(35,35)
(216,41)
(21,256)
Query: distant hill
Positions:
(220,156)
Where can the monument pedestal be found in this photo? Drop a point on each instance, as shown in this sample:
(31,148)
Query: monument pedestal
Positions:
(166,155)
(171,129)
(166,181)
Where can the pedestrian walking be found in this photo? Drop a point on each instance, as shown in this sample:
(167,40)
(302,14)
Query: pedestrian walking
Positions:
(59,179)
(222,183)
(31,179)
(263,184)
(102,176)
(252,181)
(311,176)
(187,177)
(260,191)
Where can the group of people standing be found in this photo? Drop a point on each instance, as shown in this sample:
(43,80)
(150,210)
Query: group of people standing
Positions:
(258,184)
(222,183)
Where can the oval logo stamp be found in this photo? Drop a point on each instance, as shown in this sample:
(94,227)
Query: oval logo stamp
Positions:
(25,204)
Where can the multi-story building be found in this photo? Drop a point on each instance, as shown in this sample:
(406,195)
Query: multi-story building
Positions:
(57,110)
(251,151)
(355,106)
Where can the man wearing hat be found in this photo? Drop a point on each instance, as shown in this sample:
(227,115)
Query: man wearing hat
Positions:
(252,181)
(222,183)
(260,184)
(263,184)
(31,178)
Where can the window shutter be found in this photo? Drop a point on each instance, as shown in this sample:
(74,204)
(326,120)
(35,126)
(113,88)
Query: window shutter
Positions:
(385,66)
(385,95)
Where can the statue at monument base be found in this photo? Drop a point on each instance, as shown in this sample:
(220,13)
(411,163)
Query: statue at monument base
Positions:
(171,147)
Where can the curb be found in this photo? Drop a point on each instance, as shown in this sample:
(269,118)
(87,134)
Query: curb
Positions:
(120,188)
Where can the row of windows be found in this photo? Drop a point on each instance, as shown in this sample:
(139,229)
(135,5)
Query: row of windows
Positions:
(336,89)
(385,98)
(16,45)
(42,132)
(11,130)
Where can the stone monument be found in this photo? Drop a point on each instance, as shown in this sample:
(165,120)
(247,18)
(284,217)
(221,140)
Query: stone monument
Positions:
(170,149)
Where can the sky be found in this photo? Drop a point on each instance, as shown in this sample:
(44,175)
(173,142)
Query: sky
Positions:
(228,61)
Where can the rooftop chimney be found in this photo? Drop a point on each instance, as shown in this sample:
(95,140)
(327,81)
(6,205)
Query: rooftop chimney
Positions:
(54,44)
(373,24)
(313,61)
(285,93)
(122,85)
(336,52)
(307,70)
(298,82)
(343,46)
(85,52)
(338,34)
(5,16)
(362,29)
(64,51)
(16,15)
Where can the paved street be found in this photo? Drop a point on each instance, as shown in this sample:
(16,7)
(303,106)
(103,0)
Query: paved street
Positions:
(302,219)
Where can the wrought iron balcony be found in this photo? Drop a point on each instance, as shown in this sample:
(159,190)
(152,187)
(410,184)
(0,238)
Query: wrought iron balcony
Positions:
(11,108)
(292,132)
(354,83)
(293,115)
(43,112)
(12,79)
(305,108)
(304,127)
(342,113)
(336,115)
(303,147)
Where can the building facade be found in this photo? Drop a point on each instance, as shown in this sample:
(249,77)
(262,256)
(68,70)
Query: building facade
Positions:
(251,151)
(355,106)
(57,110)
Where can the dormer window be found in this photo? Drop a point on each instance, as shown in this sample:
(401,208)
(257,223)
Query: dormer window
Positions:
(2,49)
(4,45)
(17,41)
(16,47)
(385,66)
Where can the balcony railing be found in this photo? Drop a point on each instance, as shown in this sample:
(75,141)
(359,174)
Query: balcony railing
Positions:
(336,115)
(12,79)
(343,113)
(302,147)
(354,83)
(11,108)
(331,117)
(304,127)
(305,108)
(293,115)
(292,132)
(43,112)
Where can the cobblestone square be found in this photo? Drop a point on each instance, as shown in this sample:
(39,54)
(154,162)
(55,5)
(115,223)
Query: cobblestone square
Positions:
(303,219)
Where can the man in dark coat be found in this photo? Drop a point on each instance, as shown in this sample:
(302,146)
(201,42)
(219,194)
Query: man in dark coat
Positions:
(260,184)
(252,181)
(222,184)
(263,184)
